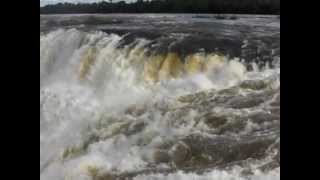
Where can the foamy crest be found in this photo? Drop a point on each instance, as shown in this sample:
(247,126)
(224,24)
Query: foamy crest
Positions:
(106,109)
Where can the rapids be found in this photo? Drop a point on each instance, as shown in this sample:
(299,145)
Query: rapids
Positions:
(111,109)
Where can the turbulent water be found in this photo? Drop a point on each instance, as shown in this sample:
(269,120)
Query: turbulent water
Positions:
(159,97)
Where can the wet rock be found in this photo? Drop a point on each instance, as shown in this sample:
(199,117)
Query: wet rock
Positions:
(161,156)
(180,153)
(166,144)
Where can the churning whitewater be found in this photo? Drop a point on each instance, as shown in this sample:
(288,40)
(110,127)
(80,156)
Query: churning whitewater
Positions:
(117,106)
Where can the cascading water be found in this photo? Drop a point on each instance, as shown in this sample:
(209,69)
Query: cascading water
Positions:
(110,110)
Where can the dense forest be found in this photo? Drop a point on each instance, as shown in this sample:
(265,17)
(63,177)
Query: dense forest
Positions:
(168,6)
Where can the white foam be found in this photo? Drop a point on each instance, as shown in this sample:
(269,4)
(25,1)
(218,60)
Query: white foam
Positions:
(68,106)
(213,175)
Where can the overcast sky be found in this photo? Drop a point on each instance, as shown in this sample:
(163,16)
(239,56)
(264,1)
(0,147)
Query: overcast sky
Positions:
(45,2)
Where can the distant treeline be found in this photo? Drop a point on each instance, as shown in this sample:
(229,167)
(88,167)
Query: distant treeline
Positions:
(169,6)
